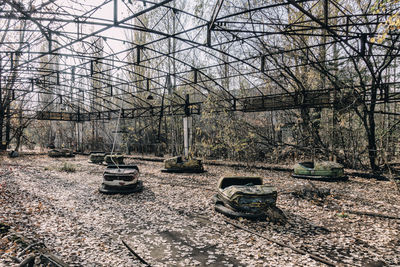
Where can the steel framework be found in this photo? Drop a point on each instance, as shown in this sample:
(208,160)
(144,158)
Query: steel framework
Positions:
(80,61)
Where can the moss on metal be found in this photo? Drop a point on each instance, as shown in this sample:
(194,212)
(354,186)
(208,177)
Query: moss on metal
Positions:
(97,158)
(179,164)
(323,170)
(114,159)
(59,153)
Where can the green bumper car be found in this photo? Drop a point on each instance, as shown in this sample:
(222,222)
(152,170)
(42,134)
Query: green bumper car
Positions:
(61,153)
(114,159)
(181,165)
(323,171)
(97,157)
(247,197)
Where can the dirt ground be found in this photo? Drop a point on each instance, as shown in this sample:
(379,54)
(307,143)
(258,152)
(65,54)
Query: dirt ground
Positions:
(173,222)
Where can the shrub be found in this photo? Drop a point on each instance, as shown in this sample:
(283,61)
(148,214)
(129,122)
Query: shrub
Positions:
(68,167)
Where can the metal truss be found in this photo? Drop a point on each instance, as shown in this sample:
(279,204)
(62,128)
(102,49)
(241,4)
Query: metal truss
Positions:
(91,60)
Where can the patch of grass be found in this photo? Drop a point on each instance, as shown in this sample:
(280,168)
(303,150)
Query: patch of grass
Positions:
(342,215)
(49,168)
(68,167)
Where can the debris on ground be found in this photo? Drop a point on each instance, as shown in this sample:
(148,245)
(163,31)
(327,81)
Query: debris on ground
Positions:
(173,222)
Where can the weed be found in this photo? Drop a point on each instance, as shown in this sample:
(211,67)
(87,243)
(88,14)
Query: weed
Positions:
(49,168)
(68,167)
(342,215)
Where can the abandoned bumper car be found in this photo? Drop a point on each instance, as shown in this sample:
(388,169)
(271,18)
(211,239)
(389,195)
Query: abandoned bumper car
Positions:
(97,157)
(61,153)
(181,165)
(121,179)
(114,159)
(247,197)
(323,171)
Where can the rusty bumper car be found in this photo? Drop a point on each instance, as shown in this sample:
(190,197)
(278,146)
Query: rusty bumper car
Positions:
(321,171)
(247,197)
(114,159)
(181,165)
(123,179)
(61,153)
(97,157)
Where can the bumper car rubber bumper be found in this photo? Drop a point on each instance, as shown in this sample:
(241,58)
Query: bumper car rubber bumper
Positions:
(121,189)
(228,211)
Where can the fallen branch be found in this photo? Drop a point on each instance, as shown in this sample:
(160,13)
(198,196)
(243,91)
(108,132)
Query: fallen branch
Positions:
(300,251)
(372,214)
(40,251)
(29,247)
(28,261)
(135,254)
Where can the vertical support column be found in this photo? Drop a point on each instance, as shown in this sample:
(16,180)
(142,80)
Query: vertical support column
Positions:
(326,11)
(115,12)
(187,135)
(138,54)
(77,28)
(6,106)
(73,74)
(194,75)
(364,40)
(262,67)
(80,136)
(333,93)
(50,43)
(187,128)
(91,68)
(209,35)
(8,123)
(12,61)
(77,136)
(1,108)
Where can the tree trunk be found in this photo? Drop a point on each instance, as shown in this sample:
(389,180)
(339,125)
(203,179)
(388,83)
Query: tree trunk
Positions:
(18,140)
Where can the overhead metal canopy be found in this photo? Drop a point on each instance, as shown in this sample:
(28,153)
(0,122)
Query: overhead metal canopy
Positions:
(96,57)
